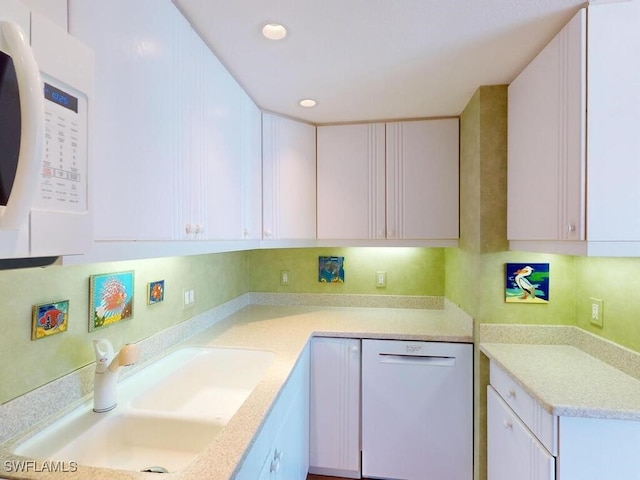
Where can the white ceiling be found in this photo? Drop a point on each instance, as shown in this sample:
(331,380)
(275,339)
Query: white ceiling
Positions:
(375,59)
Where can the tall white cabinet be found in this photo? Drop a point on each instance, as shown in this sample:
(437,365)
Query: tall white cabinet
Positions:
(573,146)
(393,181)
(334,412)
(288,179)
(177,140)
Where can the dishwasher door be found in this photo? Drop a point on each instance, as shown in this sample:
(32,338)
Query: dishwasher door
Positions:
(417,410)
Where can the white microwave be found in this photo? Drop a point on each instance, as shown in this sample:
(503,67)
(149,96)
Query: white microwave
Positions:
(46,85)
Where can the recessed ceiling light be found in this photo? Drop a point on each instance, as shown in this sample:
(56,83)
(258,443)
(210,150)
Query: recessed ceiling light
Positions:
(308,103)
(274,31)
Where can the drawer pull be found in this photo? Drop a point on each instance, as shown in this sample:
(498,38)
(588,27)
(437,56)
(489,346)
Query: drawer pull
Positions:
(511,393)
(508,425)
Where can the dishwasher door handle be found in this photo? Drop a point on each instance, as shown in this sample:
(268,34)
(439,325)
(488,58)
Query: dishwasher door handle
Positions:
(424,360)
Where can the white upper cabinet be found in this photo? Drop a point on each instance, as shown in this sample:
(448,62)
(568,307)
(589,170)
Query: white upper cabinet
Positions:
(393,181)
(351,202)
(177,141)
(54,10)
(422,179)
(572,148)
(289,179)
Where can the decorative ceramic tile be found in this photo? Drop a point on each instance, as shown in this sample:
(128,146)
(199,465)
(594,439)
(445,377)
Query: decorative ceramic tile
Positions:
(331,269)
(110,299)
(49,319)
(527,282)
(155,292)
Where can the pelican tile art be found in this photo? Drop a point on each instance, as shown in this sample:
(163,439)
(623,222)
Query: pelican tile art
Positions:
(527,282)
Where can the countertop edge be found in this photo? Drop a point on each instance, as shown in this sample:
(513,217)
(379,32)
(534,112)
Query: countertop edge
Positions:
(208,321)
(557,409)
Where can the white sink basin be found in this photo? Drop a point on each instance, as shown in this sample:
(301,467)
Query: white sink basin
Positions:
(212,384)
(125,441)
(167,412)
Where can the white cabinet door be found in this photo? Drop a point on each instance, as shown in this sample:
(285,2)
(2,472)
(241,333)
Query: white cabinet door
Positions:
(351,182)
(422,167)
(281,450)
(334,417)
(546,142)
(395,181)
(289,178)
(613,142)
(177,142)
(291,454)
(572,146)
(231,160)
(54,10)
(136,117)
(513,452)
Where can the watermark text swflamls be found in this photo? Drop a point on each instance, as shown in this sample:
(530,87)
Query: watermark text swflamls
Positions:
(36,466)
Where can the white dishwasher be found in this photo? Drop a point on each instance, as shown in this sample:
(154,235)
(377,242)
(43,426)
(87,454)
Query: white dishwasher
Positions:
(417,410)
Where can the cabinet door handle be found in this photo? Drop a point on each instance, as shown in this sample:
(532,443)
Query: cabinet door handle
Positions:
(511,393)
(571,228)
(508,425)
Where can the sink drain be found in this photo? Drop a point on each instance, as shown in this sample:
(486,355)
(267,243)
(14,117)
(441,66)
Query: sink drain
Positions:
(155,469)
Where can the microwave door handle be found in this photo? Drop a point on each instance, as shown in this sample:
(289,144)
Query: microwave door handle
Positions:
(30,91)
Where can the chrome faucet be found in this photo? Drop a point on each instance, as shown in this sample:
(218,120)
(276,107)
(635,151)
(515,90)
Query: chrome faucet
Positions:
(108,365)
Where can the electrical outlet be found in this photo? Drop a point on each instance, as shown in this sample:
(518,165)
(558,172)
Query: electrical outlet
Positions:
(284,277)
(188,297)
(381,279)
(597,311)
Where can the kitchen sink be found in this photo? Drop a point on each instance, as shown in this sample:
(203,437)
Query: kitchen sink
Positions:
(167,412)
(211,385)
(124,441)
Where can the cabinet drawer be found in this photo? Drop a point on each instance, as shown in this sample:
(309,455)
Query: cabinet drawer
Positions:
(513,452)
(539,421)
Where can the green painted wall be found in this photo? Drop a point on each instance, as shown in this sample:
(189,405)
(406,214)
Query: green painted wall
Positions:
(470,276)
(26,364)
(474,273)
(616,282)
(410,271)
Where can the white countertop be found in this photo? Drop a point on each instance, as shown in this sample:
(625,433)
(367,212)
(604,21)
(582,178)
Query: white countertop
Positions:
(285,330)
(567,381)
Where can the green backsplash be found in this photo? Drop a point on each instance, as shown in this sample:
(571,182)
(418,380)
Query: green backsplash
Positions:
(486,279)
(615,281)
(26,364)
(410,271)
(461,276)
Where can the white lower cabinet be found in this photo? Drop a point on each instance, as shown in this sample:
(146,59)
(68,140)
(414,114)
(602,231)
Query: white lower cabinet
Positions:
(334,414)
(513,452)
(525,442)
(281,449)
(407,416)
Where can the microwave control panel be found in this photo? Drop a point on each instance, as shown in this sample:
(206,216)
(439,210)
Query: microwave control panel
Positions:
(63,177)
